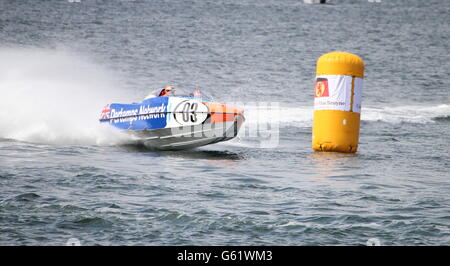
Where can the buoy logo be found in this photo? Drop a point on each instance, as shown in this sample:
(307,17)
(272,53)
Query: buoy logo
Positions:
(321,88)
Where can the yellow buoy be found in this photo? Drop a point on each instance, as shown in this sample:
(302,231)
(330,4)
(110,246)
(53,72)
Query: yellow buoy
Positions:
(337,102)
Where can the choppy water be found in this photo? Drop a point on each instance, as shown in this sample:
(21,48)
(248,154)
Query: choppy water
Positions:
(62,176)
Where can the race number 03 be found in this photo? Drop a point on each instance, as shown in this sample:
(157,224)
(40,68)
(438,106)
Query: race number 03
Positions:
(189,112)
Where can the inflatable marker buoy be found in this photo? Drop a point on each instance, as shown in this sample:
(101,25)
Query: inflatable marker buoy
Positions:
(337,102)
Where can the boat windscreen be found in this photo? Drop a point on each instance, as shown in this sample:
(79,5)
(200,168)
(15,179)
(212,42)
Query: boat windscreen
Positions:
(194,94)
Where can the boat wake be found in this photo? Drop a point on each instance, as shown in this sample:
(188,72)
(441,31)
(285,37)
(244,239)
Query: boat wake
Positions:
(303,116)
(419,114)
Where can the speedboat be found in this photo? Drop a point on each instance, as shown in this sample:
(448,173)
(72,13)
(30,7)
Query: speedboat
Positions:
(178,121)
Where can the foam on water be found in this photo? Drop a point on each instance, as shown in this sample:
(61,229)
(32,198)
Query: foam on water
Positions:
(406,114)
(303,116)
(54,97)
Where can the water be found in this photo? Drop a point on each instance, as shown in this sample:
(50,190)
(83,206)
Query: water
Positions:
(64,178)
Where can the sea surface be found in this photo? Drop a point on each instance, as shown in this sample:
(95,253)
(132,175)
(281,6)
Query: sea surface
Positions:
(65,180)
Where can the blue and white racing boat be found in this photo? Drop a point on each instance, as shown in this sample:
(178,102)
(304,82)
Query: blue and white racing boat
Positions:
(178,121)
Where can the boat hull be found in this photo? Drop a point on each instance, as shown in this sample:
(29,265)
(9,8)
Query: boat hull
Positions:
(188,137)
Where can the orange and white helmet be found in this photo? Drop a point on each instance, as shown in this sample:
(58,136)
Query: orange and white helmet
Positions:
(169,88)
(167,91)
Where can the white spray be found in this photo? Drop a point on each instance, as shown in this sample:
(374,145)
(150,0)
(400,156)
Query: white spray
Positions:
(54,97)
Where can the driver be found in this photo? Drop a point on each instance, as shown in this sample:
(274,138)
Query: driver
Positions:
(196,93)
(167,91)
